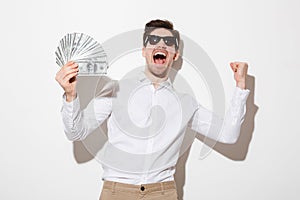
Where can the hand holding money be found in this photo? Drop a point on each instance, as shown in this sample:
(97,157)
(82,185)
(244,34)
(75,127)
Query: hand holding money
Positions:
(78,55)
(66,77)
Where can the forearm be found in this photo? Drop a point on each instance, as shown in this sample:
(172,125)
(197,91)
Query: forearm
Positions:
(77,124)
(234,117)
(227,129)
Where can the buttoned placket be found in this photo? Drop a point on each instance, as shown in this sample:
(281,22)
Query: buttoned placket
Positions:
(154,102)
(150,142)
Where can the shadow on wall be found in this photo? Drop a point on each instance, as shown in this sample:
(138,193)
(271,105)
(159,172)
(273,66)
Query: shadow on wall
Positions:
(96,140)
(236,152)
(86,89)
(239,150)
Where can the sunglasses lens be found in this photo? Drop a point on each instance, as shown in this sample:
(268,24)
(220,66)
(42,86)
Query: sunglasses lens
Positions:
(153,39)
(169,41)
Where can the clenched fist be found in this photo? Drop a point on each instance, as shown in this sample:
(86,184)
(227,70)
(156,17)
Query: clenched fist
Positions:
(66,77)
(240,73)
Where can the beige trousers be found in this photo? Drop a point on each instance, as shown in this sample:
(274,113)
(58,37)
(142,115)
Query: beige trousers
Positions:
(154,191)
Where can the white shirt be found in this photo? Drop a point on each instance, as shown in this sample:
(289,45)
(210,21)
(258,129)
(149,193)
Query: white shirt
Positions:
(147,126)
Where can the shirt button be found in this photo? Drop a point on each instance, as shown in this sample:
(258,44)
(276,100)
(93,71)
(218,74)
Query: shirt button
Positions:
(142,188)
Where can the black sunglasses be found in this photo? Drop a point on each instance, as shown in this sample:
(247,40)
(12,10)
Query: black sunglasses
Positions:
(168,40)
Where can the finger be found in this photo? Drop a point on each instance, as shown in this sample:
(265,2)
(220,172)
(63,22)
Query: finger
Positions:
(241,64)
(73,65)
(66,80)
(65,72)
(233,66)
(69,63)
(66,68)
(69,71)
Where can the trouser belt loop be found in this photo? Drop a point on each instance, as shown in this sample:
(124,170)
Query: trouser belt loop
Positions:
(113,186)
(162,188)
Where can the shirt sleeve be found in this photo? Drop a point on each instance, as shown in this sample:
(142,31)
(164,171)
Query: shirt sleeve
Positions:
(227,129)
(78,124)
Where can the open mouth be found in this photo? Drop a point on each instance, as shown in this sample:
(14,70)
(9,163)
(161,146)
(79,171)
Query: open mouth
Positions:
(159,57)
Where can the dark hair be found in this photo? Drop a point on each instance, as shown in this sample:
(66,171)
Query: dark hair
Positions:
(154,24)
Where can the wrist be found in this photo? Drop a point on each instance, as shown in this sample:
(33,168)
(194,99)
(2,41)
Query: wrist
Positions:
(241,84)
(70,96)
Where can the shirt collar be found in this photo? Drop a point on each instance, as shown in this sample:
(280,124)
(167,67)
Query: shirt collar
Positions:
(144,79)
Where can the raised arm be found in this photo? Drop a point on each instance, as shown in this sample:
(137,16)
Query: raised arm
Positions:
(79,124)
(227,129)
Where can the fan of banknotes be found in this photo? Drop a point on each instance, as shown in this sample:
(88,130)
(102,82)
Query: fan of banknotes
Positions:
(85,51)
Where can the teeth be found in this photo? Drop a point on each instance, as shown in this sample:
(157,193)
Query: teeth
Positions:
(161,53)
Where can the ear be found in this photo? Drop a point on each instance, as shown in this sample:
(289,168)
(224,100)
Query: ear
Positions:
(176,56)
(143,52)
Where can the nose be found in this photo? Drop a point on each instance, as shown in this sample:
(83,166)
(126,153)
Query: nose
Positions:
(161,44)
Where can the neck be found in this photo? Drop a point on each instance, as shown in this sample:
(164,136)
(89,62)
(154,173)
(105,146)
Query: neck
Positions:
(156,80)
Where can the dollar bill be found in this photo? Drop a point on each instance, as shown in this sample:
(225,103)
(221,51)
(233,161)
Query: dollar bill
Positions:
(85,51)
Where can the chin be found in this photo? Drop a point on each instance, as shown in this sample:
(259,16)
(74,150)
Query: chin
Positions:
(160,71)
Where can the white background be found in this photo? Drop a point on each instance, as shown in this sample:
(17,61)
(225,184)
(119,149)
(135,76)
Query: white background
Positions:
(37,161)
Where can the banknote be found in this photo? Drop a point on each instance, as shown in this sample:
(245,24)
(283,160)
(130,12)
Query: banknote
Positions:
(85,51)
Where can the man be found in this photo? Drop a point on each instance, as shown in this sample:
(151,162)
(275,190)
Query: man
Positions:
(139,160)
